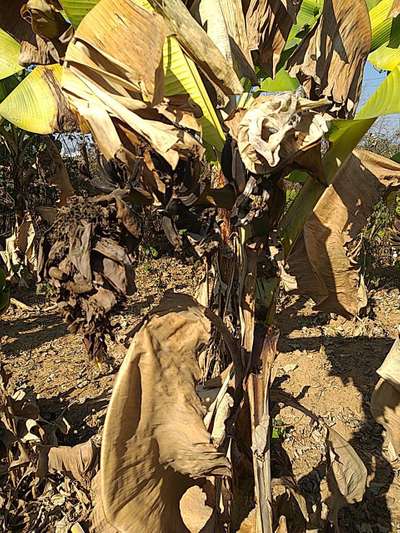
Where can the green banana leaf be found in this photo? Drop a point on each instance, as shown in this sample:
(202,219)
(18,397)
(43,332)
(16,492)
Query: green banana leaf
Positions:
(281,82)
(75,10)
(33,104)
(9,54)
(385,30)
(385,58)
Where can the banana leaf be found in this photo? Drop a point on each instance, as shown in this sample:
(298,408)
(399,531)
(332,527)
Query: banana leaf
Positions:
(37,104)
(9,54)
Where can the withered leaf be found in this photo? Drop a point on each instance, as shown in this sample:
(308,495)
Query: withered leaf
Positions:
(347,474)
(322,261)
(79,462)
(275,129)
(268,26)
(224,22)
(385,401)
(79,249)
(154,442)
(330,60)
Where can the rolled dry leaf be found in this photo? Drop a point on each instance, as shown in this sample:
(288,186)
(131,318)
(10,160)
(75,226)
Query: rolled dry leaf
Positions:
(154,442)
(330,60)
(268,26)
(322,262)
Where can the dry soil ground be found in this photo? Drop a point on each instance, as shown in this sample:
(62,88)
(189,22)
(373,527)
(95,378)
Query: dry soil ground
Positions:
(329,362)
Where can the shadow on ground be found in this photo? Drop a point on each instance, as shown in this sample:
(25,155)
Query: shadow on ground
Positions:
(352,359)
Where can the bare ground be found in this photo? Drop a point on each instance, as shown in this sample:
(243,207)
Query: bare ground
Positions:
(328,362)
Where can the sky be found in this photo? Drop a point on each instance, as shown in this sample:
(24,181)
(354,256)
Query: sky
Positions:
(372,79)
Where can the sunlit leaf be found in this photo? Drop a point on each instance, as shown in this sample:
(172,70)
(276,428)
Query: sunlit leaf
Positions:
(281,82)
(385,58)
(34,105)
(75,10)
(384,28)
(9,54)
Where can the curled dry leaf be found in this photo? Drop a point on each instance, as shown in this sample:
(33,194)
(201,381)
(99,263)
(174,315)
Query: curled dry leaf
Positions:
(385,401)
(330,60)
(323,261)
(347,474)
(268,26)
(155,444)
(275,129)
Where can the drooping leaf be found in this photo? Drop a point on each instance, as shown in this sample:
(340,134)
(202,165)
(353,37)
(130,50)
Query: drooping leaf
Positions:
(9,54)
(330,60)
(154,442)
(268,26)
(37,103)
(322,262)
(112,79)
(347,474)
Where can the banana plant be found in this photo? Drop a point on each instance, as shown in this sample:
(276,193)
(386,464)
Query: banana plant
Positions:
(260,89)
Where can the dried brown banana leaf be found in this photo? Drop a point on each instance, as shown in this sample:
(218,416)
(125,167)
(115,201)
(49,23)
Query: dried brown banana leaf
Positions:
(52,167)
(276,129)
(224,22)
(40,28)
(155,444)
(79,462)
(268,26)
(88,257)
(322,261)
(385,401)
(346,476)
(330,60)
